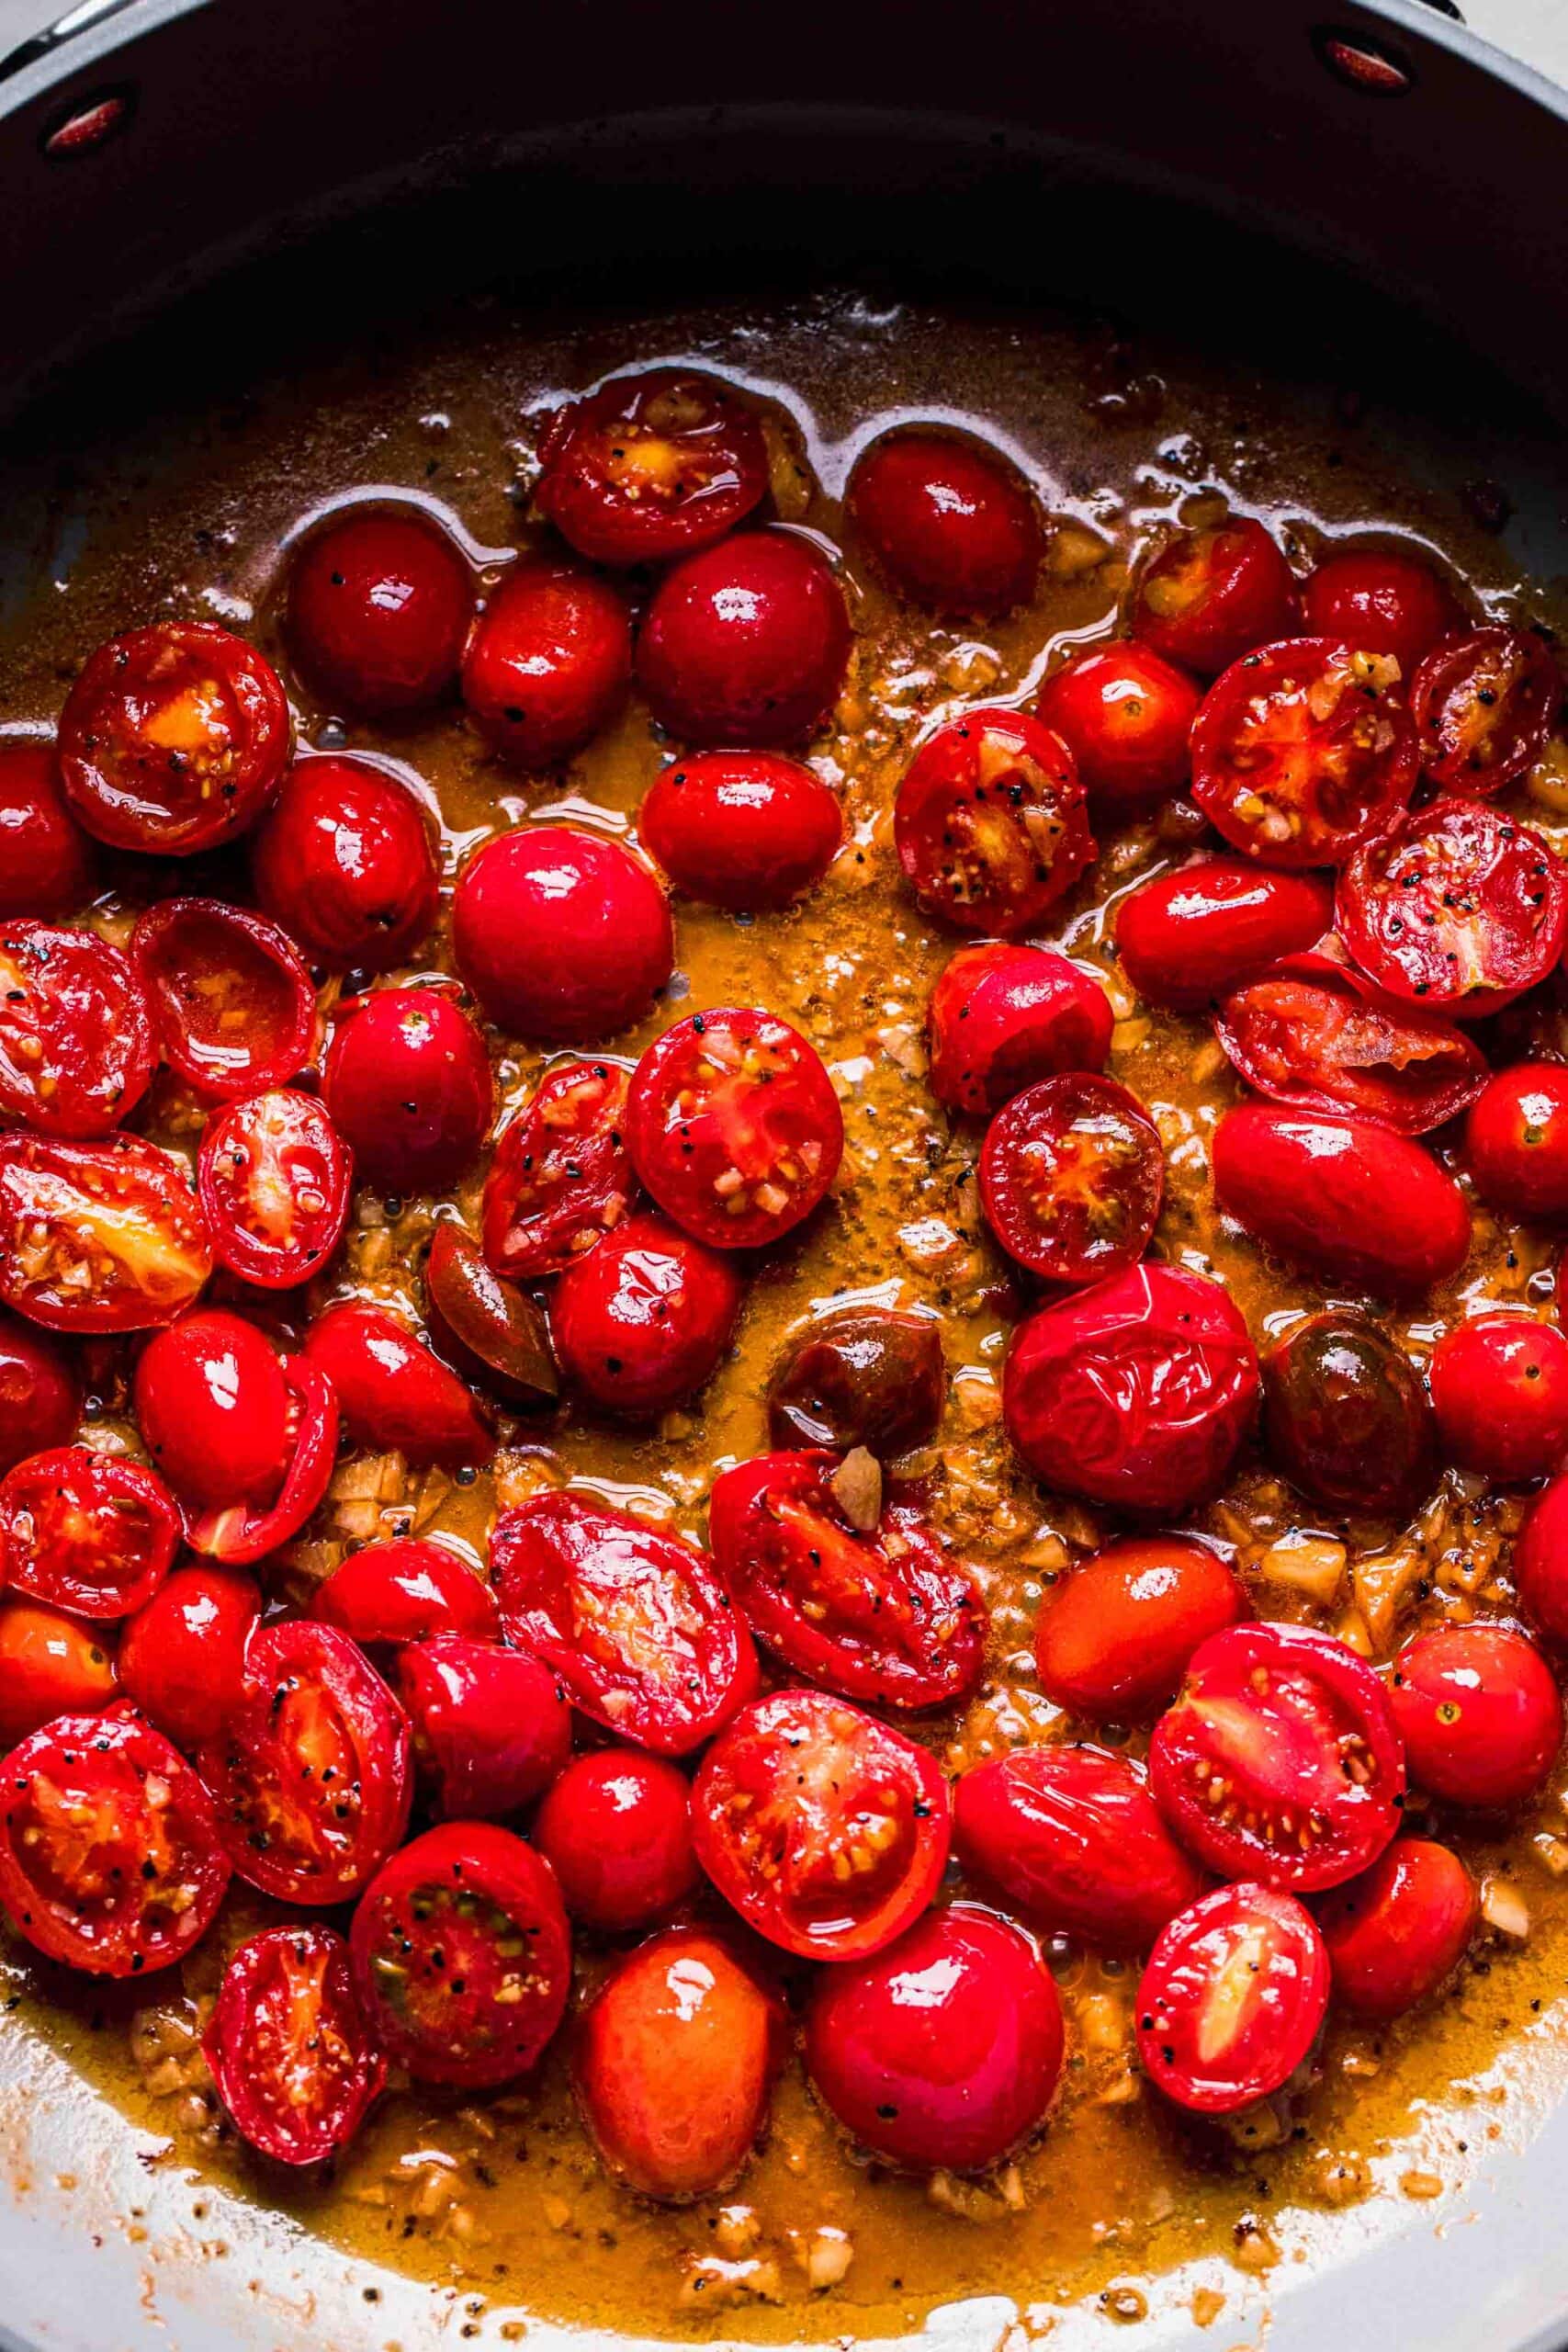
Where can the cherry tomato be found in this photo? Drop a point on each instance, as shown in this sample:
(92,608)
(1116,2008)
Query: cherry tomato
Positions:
(243,1532)
(616,1829)
(862,1376)
(1483,706)
(1072,1175)
(1382,602)
(734,1127)
(1516,1141)
(948,522)
(287,2045)
(560,935)
(1126,715)
(746,644)
(946,2050)
(1500,1388)
(174,739)
(741,829)
(99,1237)
(652,466)
(50,1664)
(826,1830)
(213,1408)
(462,1956)
(1210,595)
(493,1332)
(380,603)
(1540,1563)
(1187,937)
(990,823)
(40,1394)
(548,664)
(1113,1643)
(1135,1392)
(407,1083)
(674,2062)
(1346,1417)
(1233,1999)
(1457,910)
(182,1657)
(1479,1713)
(345,862)
(405,1592)
(309,1769)
(76,1049)
(1280,1759)
(274,1177)
(395,1394)
(1000,1017)
(233,1004)
(47,865)
(1396,1932)
(109,1852)
(490,1729)
(87,1532)
(1350,1201)
(1314,1035)
(634,1623)
(644,1319)
(562,1176)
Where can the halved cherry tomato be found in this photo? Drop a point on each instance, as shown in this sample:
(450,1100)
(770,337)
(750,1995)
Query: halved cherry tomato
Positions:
(548,664)
(1210,595)
(1072,1174)
(1395,1933)
(1349,1199)
(310,1770)
(76,1048)
(652,466)
(87,1532)
(734,1127)
(406,1591)
(1187,937)
(1280,1759)
(110,1859)
(234,1007)
(40,1394)
(173,738)
(1516,1141)
(562,1176)
(408,1082)
(1483,706)
(1314,1035)
(287,2045)
(50,1664)
(380,601)
(493,1331)
(274,1176)
(746,644)
(949,522)
(560,933)
(182,1657)
(346,863)
(742,830)
(1479,1712)
(862,1376)
(243,1532)
(1113,1642)
(47,865)
(1232,1998)
(1457,910)
(1382,601)
(617,1828)
(1500,1389)
(1126,716)
(99,1237)
(1540,1563)
(1345,1416)
(1000,1017)
(990,821)
(462,1956)
(635,1623)
(395,1394)
(826,1830)
(641,1322)
(491,1729)
(213,1406)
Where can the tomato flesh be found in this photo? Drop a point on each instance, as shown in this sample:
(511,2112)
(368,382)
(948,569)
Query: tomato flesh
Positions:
(1399,1930)
(274,1177)
(1314,1035)
(1113,1643)
(1456,909)
(1233,1999)
(287,2045)
(562,1176)
(652,466)
(990,821)
(1211,594)
(1072,1175)
(99,1237)
(235,1009)
(1483,706)
(77,1050)
(87,1533)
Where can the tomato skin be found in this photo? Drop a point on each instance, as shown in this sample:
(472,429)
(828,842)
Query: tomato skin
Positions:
(47,865)
(1072,1175)
(990,821)
(274,1177)
(1312,1033)
(548,664)
(394,1394)
(491,1729)
(616,1829)
(1515,1140)
(944,2051)
(746,644)
(345,862)
(1541,1564)
(40,1394)
(1351,1201)
(146,1266)
(562,1176)
(1187,937)
(1210,595)
(407,1083)
(182,1657)
(1135,1392)
(76,1048)
(1215,2049)
(233,1004)
(949,522)
(287,2046)
(560,935)
(1385,602)
(380,603)
(742,830)
(1000,1017)
(642,1322)
(652,466)
(1483,706)
(406,1591)
(212,1405)
(50,1664)
(1346,1417)
(864,1376)
(633,1622)
(493,1332)
(241,1533)
(1500,1390)
(85,1532)
(1126,716)
(1113,1643)
(1396,1932)
(1479,1712)
(1072,1837)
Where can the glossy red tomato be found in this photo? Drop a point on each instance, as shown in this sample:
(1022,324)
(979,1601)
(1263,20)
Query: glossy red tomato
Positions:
(242,1533)
(405,1592)
(47,865)
(562,1176)
(273,1177)
(287,2045)
(862,1375)
(213,1408)
(1515,1140)
(110,1859)
(174,739)
(1000,1017)
(1314,1035)
(76,1049)
(652,466)
(1280,1759)
(1457,910)
(99,1237)
(635,1623)
(1351,1201)
(880,1613)
(548,664)
(380,603)
(1072,1838)
(50,1664)
(1113,1641)
(826,1830)
(346,863)
(949,523)
(1135,1392)
(1187,937)
(493,1332)
(182,1657)
(1346,1417)
(1500,1388)
(643,1321)
(85,1532)
(233,1004)
(560,935)
(1210,595)
(1541,1564)
(491,1729)
(1233,1999)
(734,1127)
(945,2050)
(1072,1175)
(395,1394)
(1126,715)
(1382,601)
(746,644)
(1396,1932)
(742,830)
(407,1083)
(616,1829)
(309,1769)
(40,1394)
(1479,1712)
(1483,706)
(462,1956)
(990,821)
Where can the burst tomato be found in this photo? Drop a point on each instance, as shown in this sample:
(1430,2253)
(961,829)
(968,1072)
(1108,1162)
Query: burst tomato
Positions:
(380,603)
(76,1049)
(1346,1417)
(1483,706)
(405,1592)
(1126,716)
(616,1829)
(233,1004)
(746,644)
(652,466)
(395,1394)
(99,1237)
(274,1179)
(87,1532)
(990,823)
(50,1664)
(1382,601)
(862,1375)
(407,1083)
(562,1176)
(548,664)
(1348,1200)
(1479,1712)
(742,830)
(1187,937)
(1113,1642)
(287,2045)
(243,1532)
(1233,1999)
(560,935)
(1210,595)
(948,522)
(1314,1035)
(1072,1174)
(1500,1390)
(1000,1017)
(490,1729)
(1396,1932)
(643,1321)
(182,1657)
(346,863)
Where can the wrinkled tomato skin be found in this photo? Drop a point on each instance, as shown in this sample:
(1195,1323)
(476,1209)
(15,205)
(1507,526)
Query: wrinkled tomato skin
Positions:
(1312,1033)
(1126,715)
(1500,1390)
(1483,706)
(47,865)
(1210,595)
(1112,1642)
(490,1729)
(379,607)
(561,1176)
(288,2047)
(274,1177)
(1134,1393)
(1455,871)
(76,1049)
(345,862)
(408,1084)
(742,830)
(561,934)
(50,1664)
(1350,1201)
(1071,1836)
(61,1187)
(1185,938)
(548,664)
(1000,1017)
(1273,1967)
(1072,1175)
(1347,1418)
(746,644)
(1382,602)
(1541,1564)
(652,466)
(395,1396)
(182,1657)
(944,2051)
(232,1004)
(863,1376)
(617,1828)
(85,1532)
(674,2061)
(948,524)
(40,1394)
(492,1331)
(1516,1141)
(241,1533)
(642,1322)
(212,1405)
(406,1591)
(962,821)
(1480,1714)
(1397,1933)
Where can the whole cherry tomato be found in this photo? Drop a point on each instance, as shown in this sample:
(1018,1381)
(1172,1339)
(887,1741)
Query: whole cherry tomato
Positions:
(642,1321)
(47,865)
(345,862)
(560,935)
(1396,1932)
(396,1396)
(182,1657)
(40,1394)
(1515,1140)
(1500,1389)
(493,1332)
(616,1829)
(76,1049)
(85,1532)
(1113,1641)
(742,830)
(1456,909)
(242,1533)
(1346,1417)
(652,466)
(1382,601)
(1210,595)
(1232,1998)
(213,1408)
(746,644)
(1187,937)
(562,1176)
(490,1729)
(99,1237)
(380,603)
(948,522)
(1483,706)
(1001,1016)
(1126,716)
(1350,1201)
(405,1592)
(548,664)
(1540,1563)
(861,1375)
(287,2045)
(407,1083)
(274,1177)
(50,1664)
(233,1004)
(1479,1713)
(1314,1035)
(990,823)
(1072,1175)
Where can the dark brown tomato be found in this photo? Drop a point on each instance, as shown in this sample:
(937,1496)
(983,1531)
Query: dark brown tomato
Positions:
(380,603)
(548,664)
(494,1332)
(1480,1714)
(1210,595)
(406,1591)
(289,2047)
(1347,1418)
(1072,1175)
(233,1004)
(491,1729)
(1516,1141)
(861,1375)
(1350,1201)
(182,1657)
(1112,1642)
(40,1392)
(47,865)
(50,1664)
(990,821)
(99,1237)
(1483,706)
(1126,716)
(274,1177)
(745,645)
(395,1394)
(1233,1999)
(87,1532)
(346,863)
(643,1321)
(949,523)
(1002,1016)
(1457,910)
(652,466)
(742,830)
(562,1176)
(76,1049)
(1500,1391)
(1399,1932)
(1312,1033)
(1382,601)
(1187,937)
